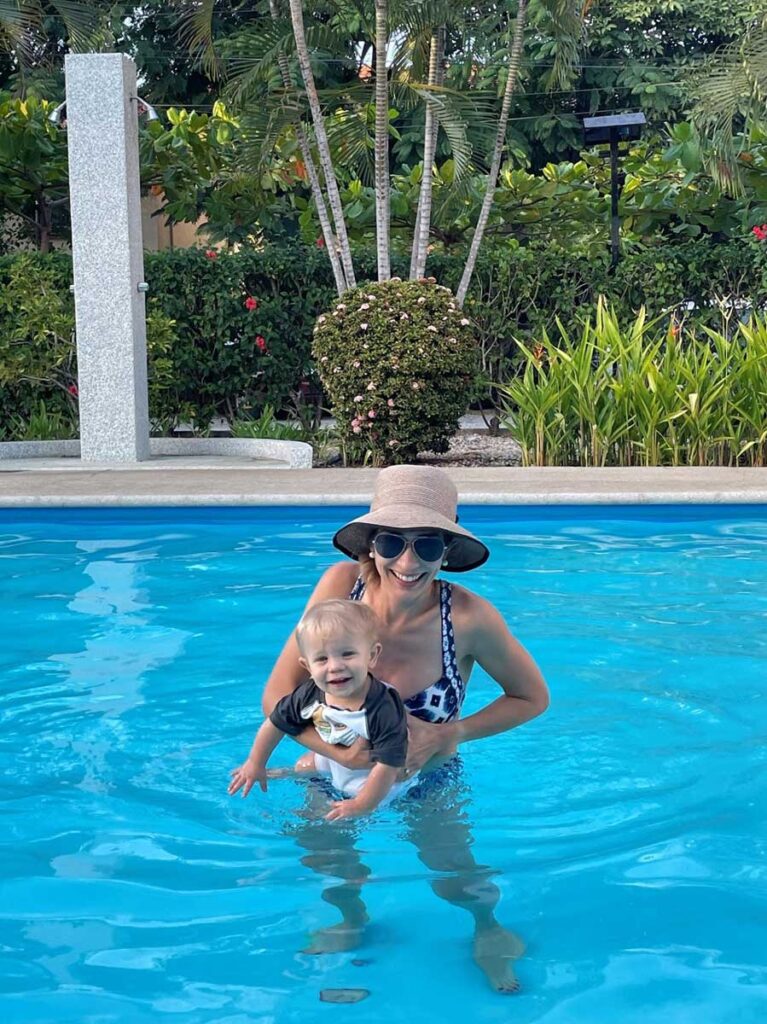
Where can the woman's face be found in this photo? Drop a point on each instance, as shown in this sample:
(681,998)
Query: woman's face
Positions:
(408,560)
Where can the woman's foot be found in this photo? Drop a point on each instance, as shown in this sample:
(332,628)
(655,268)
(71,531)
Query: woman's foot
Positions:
(495,949)
(338,938)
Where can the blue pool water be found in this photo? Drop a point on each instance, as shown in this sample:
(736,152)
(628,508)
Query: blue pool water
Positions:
(626,829)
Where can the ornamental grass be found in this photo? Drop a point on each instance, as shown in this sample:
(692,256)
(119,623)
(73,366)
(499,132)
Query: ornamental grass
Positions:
(645,395)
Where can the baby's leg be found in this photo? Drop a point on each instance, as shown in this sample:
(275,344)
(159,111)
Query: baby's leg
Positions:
(306,764)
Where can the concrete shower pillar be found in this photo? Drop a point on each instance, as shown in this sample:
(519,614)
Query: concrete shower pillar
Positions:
(107,254)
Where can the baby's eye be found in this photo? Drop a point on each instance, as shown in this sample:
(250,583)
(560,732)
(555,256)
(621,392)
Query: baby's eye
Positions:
(349,654)
(321,660)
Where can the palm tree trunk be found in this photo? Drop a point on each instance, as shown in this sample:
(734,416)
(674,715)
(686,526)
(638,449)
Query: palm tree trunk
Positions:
(314,180)
(500,141)
(334,196)
(382,141)
(431,129)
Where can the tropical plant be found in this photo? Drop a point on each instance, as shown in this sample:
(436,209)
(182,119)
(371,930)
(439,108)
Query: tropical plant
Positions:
(23,29)
(38,354)
(33,170)
(641,395)
(732,96)
(564,17)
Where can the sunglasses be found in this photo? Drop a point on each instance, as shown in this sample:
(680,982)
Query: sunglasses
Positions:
(429,548)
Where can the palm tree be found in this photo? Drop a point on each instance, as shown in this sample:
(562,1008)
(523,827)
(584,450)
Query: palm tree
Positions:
(311,171)
(382,140)
(431,130)
(321,137)
(444,107)
(731,96)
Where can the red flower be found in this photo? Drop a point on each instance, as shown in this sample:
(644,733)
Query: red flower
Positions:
(261,345)
(211,254)
(72,389)
(760,232)
(320,242)
(251,303)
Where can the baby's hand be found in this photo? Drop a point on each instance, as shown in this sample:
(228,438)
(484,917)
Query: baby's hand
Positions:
(347,809)
(245,776)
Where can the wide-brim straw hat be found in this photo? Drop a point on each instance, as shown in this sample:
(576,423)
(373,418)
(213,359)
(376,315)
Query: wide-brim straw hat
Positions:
(414,498)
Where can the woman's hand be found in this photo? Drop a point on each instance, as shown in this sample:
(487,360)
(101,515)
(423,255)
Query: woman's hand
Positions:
(354,757)
(428,742)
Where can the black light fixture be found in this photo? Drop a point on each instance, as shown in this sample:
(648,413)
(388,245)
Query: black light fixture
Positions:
(613,129)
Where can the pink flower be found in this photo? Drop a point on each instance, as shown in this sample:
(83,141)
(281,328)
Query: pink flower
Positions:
(371,386)
(760,232)
(251,303)
(72,389)
(211,254)
(358,398)
(372,414)
(356,364)
(261,345)
(320,243)
(390,403)
(357,430)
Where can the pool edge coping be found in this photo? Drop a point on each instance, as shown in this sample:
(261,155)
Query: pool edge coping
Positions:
(130,487)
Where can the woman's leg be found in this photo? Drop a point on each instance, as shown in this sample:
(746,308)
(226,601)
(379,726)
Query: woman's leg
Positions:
(438,825)
(331,852)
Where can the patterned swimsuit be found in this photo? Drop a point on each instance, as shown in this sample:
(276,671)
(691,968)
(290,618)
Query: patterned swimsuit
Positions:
(440,702)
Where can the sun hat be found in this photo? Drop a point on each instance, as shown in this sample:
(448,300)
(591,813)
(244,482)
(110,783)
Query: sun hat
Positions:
(414,498)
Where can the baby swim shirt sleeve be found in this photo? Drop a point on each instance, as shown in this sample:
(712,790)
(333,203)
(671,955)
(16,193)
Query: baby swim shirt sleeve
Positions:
(387,725)
(287,714)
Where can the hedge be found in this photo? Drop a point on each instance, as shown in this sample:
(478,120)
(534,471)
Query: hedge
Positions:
(231,355)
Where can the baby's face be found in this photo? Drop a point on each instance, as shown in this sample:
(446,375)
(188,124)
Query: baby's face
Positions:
(339,661)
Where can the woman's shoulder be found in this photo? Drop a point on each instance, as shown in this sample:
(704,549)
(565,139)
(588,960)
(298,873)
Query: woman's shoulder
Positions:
(472,612)
(337,580)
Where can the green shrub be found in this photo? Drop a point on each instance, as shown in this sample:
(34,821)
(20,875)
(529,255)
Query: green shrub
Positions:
(647,394)
(211,362)
(38,357)
(398,361)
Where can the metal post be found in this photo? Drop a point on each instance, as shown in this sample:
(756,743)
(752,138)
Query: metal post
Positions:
(615,228)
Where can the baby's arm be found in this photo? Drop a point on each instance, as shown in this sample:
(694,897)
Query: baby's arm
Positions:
(253,769)
(381,779)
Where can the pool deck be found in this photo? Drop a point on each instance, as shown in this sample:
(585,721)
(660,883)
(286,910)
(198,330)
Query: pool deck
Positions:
(216,484)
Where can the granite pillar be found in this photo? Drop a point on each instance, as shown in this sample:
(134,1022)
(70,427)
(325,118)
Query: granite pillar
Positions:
(102,128)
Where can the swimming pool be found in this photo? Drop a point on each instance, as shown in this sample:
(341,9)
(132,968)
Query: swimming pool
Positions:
(626,829)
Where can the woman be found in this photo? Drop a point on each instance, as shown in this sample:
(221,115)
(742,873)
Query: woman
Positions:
(431,630)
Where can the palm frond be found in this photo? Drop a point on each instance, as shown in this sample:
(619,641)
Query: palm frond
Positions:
(263,126)
(251,58)
(351,138)
(80,19)
(195,33)
(731,96)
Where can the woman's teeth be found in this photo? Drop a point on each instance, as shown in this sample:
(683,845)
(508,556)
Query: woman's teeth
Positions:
(407,579)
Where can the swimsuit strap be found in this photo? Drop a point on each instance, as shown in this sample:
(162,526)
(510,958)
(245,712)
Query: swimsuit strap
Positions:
(449,660)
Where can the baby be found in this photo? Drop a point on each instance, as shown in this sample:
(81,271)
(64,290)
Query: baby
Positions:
(339,646)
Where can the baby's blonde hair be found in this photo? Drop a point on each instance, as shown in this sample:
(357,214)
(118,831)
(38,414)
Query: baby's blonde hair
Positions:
(338,615)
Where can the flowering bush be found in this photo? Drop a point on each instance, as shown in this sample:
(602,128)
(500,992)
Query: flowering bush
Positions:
(399,362)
